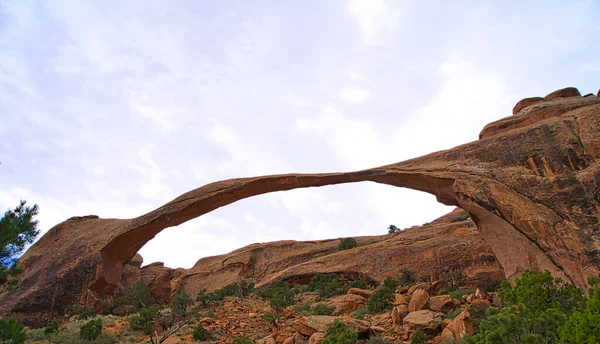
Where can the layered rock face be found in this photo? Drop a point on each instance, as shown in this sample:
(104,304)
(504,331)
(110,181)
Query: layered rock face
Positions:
(530,184)
(449,243)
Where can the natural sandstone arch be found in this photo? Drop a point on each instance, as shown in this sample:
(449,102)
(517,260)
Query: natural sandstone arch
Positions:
(532,186)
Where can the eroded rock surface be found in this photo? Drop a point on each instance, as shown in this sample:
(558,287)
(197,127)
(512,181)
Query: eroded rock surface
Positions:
(531,185)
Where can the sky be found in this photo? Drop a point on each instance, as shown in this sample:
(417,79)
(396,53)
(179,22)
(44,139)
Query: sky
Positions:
(114,108)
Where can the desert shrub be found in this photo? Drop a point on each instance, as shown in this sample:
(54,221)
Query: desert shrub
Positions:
(281,296)
(539,292)
(583,326)
(381,299)
(419,337)
(407,277)
(52,327)
(458,293)
(327,285)
(463,217)
(200,333)
(322,309)
(347,243)
(84,312)
(303,309)
(204,298)
(391,283)
(138,296)
(11,331)
(91,330)
(271,318)
(361,312)
(300,288)
(454,313)
(245,288)
(362,284)
(241,290)
(454,278)
(72,337)
(339,333)
(243,340)
(180,303)
(534,310)
(210,314)
(143,320)
(378,340)
(36,335)
(491,286)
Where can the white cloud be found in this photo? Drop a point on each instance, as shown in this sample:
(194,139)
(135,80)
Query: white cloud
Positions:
(376,19)
(166,119)
(245,158)
(354,95)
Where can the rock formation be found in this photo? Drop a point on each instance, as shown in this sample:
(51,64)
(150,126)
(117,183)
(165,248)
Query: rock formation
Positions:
(530,184)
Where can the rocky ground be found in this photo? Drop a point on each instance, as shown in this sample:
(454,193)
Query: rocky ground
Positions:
(442,315)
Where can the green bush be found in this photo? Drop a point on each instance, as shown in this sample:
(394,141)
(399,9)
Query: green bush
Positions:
(322,309)
(243,340)
(11,331)
(534,311)
(458,293)
(454,278)
(138,296)
(362,284)
(84,312)
(361,312)
(406,278)
(583,327)
(204,298)
(303,309)
(241,290)
(180,302)
(453,314)
(271,318)
(281,296)
(378,340)
(347,243)
(300,288)
(91,330)
(52,327)
(463,217)
(327,285)
(539,292)
(491,286)
(391,283)
(143,320)
(200,333)
(339,333)
(72,337)
(381,299)
(419,337)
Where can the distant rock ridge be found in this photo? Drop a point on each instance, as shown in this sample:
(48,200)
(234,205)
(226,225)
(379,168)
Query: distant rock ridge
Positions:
(530,184)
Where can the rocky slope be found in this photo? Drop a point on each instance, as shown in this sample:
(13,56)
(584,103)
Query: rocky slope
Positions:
(450,243)
(531,185)
(424,306)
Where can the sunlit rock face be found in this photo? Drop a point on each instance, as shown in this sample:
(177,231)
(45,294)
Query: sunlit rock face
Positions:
(530,184)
